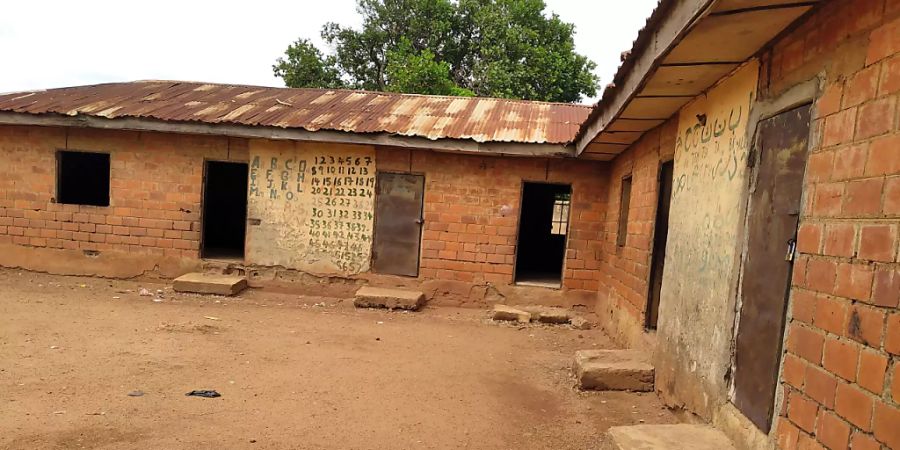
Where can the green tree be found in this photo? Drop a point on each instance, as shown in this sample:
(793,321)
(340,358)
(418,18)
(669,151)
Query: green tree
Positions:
(492,48)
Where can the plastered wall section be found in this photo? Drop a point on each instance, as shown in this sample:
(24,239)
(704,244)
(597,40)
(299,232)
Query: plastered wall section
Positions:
(840,375)
(151,225)
(696,315)
(311,206)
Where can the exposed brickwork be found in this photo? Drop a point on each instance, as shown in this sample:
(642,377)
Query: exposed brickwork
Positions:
(625,271)
(472,213)
(155,190)
(843,340)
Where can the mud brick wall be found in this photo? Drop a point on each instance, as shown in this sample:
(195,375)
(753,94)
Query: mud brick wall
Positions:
(625,271)
(841,370)
(155,192)
(472,206)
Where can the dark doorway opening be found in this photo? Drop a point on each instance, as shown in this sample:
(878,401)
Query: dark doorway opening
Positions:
(224,210)
(660,235)
(772,220)
(543,226)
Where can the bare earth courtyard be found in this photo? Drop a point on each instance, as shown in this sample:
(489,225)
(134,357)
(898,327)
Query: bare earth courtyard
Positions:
(292,373)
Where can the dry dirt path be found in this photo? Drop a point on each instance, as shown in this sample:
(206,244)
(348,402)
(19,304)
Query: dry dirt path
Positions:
(291,375)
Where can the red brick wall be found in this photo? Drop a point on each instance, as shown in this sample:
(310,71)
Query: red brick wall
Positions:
(155,190)
(841,370)
(625,271)
(467,239)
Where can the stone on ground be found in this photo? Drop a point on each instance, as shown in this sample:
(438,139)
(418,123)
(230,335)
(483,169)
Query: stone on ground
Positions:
(210,283)
(510,314)
(613,370)
(669,437)
(390,298)
(580,323)
(547,314)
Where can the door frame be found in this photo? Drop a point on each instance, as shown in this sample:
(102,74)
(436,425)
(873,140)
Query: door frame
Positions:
(562,274)
(421,219)
(653,248)
(203,189)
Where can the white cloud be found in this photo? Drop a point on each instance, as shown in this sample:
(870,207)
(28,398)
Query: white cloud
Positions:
(45,44)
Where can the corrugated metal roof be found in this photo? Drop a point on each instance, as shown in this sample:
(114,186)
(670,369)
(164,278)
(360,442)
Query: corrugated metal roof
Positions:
(432,117)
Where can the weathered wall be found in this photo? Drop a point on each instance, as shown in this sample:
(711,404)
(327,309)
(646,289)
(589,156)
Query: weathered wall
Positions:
(625,272)
(151,225)
(311,206)
(471,219)
(697,303)
(841,369)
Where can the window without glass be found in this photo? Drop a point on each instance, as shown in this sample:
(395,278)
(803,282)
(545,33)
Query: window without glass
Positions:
(82,178)
(624,203)
(561,214)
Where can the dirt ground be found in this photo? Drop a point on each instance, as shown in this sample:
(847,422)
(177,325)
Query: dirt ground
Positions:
(294,373)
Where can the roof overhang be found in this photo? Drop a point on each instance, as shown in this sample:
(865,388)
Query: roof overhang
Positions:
(276,133)
(685,48)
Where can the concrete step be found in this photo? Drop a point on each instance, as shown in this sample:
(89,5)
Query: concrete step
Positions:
(510,314)
(668,437)
(210,283)
(613,370)
(390,298)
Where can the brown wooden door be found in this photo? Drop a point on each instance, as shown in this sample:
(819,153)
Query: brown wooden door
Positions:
(660,235)
(773,216)
(398,223)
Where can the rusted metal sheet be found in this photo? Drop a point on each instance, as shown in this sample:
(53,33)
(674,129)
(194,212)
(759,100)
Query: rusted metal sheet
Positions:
(432,117)
(398,223)
(772,229)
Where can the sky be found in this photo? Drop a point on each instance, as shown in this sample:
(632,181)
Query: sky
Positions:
(46,44)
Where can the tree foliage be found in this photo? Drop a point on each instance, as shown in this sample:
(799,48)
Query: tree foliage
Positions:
(492,48)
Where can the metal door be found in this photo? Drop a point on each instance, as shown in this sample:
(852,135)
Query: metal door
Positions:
(398,223)
(773,214)
(659,242)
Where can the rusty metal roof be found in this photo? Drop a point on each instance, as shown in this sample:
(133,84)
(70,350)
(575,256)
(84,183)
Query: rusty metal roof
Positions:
(432,117)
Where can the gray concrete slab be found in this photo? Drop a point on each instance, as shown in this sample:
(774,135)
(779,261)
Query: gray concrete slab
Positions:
(614,370)
(390,298)
(210,283)
(669,437)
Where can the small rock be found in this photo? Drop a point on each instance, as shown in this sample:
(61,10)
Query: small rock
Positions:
(136,394)
(144,293)
(580,323)
(510,314)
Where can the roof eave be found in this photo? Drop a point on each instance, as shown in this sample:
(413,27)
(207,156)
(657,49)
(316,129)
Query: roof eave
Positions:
(277,133)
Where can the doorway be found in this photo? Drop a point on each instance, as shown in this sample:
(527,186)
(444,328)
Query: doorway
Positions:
(224,210)
(543,227)
(772,220)
(660,238)
(398,223)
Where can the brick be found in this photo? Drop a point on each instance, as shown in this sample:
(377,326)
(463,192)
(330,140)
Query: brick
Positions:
(890,77)
(872,370)
(803,306)
(861,441)
(885,420)
(850,162)
(832,432)
(892,197)
(831,314)
(865,325)
(841,358)
(862,87)
(820,166)
(827,199)
(884,42)
(895,383)
(839,128)
(892,334)
(809,443)
(886,289)
(830,100)
(809,238)
(806,343)
(876,118)
(840,239)
(821,275)
(877,242)
(820,386)
(802,411)
(854,405)
(854,281)
(793,371)
(787,435)
(863,197)
(884,156)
